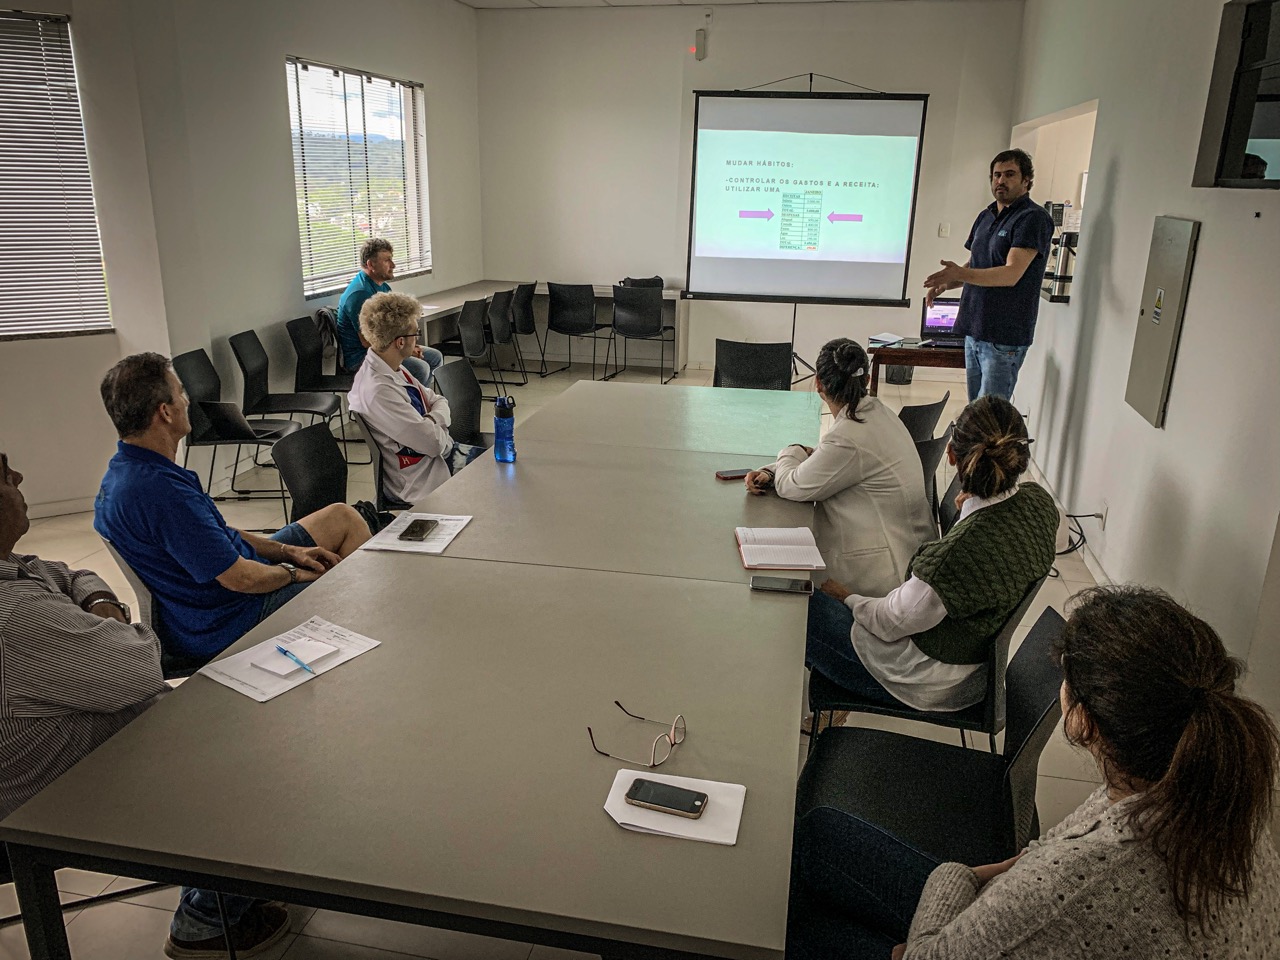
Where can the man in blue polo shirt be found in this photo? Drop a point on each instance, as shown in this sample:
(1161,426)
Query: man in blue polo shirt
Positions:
(211,583)
(1008,252)
(377,270)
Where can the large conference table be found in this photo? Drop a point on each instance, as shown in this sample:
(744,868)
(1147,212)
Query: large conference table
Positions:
(445,778)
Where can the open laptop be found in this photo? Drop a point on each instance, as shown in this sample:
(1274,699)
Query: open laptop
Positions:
(937,324)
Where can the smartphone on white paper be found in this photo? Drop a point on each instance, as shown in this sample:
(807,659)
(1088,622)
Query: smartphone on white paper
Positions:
(666,798)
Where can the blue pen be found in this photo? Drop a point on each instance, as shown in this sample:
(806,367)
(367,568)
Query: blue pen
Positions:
(296,659)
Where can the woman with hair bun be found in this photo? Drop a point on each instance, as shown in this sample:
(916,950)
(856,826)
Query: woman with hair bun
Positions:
(1170,858)
(925,643)
(864,476)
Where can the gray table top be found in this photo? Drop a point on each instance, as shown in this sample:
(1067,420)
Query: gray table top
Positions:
(449,769)
(758,423)
(601,507)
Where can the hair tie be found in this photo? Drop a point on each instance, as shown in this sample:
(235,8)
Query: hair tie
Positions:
(860,372)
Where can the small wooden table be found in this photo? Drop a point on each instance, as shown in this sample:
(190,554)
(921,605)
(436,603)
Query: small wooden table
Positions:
(912,357)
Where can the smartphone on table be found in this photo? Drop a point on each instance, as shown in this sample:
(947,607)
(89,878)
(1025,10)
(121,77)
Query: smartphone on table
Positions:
(418,529)
(732,474)
(781,585)
(666,798)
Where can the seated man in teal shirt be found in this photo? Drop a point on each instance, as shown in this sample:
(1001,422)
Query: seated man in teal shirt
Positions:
(377,270)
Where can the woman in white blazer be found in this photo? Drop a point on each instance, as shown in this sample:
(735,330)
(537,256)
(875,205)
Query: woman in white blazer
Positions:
(864,476)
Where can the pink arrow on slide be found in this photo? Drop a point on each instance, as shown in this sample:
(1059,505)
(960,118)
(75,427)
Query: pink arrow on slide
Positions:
(758,215)
(851,217)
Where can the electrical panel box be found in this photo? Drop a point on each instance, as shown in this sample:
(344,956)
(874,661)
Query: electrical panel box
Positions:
(1164,295)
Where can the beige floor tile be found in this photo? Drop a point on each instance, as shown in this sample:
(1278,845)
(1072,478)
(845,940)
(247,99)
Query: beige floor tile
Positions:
(411,939)
(165,899)
(1054,593)
(83,882)
(1065,762)
(1057,797)
(119,931)
(9,901)
(310,948)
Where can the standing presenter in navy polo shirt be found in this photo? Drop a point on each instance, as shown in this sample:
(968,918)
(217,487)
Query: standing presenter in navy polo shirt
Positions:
(1008,251)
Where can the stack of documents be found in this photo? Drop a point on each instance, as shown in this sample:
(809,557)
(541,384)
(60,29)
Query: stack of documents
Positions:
(263,672)
(719,821)
(447,528)
(778,548)
(883,339)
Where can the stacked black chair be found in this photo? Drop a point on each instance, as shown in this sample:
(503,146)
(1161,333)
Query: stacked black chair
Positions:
(313,469)
(643,282)
(979,808)
(477,345)
(637,315)
(457,383)
(922,419)
(754,366)
(987,717)
(259,401)
(309,375)
(524,323)
(383,502)
(571,312)
(931,452)
(215,423)
(948,512)
(502,329)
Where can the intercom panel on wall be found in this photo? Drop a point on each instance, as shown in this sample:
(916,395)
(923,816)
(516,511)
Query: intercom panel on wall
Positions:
(1155,348)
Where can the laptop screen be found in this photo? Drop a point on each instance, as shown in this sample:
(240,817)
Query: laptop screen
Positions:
(940,318)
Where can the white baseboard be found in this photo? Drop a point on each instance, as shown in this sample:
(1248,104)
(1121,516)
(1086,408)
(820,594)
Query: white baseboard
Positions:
(59,508)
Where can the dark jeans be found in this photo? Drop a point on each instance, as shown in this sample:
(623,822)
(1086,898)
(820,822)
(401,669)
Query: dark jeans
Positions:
(854,888)
(829,650)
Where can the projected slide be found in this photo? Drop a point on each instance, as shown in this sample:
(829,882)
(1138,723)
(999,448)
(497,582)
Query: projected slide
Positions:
(804,196)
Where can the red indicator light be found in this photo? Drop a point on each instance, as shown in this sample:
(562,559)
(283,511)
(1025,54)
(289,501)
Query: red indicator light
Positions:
(693,49)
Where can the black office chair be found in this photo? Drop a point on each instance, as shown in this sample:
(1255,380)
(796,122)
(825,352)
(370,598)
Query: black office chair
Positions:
(637,315)
(313,469)
(523,320)
(502,330)
(215,423)
(477,346)
(309,375)
(948,512)
(571,312)
(922,419)
(754,366)
(259,401)
(642,282)
(383,502)
(987,716)
(457,383)
(931,452)
(973,807)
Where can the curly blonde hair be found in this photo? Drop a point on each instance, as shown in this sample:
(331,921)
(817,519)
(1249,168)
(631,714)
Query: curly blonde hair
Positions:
(386,316)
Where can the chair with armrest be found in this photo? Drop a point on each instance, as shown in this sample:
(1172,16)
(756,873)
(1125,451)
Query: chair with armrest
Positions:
(986,716)
(457,383)
(754,366)
(525,325)
(637,315)
(571,312)
(969,806)
(921,419)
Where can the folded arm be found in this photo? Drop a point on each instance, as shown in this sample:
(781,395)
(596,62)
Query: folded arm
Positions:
(833,466)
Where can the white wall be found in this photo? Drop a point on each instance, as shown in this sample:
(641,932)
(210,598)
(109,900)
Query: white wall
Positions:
(1193,506)
(187,118)
(586,132)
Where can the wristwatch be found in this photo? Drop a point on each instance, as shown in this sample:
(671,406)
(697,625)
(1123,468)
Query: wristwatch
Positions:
(293,572)
(118,604)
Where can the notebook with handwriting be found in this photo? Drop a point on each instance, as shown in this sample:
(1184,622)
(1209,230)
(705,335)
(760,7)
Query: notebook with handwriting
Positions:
(778,548)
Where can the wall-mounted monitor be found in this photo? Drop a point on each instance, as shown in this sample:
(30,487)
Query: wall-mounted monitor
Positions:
(803,197)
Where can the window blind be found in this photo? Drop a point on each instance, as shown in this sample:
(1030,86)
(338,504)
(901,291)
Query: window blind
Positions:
(359,160)
(51,274)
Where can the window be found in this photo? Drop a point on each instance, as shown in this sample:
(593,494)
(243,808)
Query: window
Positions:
(51,276)
(1240,143)
(360,163)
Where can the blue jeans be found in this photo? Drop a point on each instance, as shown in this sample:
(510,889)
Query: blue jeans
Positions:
(423,370)
(829,649)
(992,368)
(854,888)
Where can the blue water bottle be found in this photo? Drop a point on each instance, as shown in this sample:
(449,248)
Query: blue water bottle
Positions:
(504,430)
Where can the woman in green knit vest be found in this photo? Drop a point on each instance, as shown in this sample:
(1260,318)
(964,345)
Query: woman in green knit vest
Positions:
(925,645)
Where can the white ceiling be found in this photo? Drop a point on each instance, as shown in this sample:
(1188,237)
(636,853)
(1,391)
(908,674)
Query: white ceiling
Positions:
(529,4)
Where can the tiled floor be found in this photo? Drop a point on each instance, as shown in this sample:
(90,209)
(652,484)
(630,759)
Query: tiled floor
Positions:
(134,929)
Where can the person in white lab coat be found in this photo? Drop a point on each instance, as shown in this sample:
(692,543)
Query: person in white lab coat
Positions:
(408,420)
(864,476)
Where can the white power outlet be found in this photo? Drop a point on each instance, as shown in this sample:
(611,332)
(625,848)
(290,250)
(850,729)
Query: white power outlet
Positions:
(944,230)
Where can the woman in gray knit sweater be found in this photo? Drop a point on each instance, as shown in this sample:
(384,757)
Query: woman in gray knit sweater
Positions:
(1171,857)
